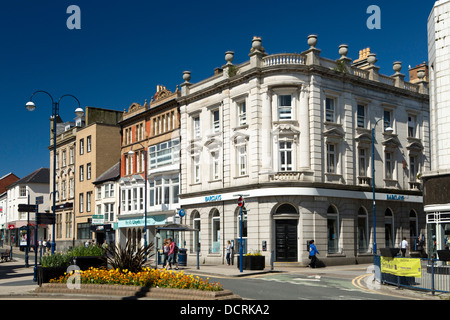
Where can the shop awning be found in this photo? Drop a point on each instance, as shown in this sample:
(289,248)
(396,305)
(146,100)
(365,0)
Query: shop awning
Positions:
(176,227)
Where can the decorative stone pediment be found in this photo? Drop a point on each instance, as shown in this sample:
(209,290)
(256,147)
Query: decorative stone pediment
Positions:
(239,137)
(364,139)
(391,143)
(195,148)
(213,144)
(286,130)
(414,146)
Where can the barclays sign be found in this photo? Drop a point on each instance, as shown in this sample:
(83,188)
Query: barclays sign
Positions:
(395,197)
(213,198)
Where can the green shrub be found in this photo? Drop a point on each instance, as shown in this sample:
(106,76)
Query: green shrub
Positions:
(58,259)
(133,257)
(90,251)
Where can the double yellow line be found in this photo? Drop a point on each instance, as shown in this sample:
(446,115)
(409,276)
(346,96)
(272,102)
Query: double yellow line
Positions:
(357,282)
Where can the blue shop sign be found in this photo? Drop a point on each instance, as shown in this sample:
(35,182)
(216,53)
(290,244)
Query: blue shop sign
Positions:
(395,197)
(213,198)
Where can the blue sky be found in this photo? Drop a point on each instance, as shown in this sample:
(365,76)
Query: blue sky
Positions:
(125,48)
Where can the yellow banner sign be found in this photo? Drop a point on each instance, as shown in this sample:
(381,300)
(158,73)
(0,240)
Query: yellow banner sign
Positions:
(403,267)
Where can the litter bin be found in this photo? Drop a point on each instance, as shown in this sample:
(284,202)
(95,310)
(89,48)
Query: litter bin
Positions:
(182,257)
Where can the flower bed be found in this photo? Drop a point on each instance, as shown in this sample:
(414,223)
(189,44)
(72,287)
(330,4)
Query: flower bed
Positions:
(148,277)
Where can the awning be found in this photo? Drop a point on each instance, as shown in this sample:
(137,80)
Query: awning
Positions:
(176,227)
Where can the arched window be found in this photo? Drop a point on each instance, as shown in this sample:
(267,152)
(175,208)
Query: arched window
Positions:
(196,225)
(215,232)
(333,229)
(389,228)
(363,230)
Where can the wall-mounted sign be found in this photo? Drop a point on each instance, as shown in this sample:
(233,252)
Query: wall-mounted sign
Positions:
(213,198)
(395,197)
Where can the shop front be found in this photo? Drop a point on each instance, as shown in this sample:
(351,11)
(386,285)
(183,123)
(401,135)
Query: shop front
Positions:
(132,227)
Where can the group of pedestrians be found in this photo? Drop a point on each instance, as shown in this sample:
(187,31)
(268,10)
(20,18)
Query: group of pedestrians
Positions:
(170,251)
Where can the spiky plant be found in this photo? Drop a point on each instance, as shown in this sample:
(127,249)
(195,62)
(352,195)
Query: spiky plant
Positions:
(132,257)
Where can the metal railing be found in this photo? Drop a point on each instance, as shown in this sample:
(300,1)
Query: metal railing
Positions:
(435,276)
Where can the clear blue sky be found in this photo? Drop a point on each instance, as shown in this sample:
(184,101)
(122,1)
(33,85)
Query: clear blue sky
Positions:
(125,48)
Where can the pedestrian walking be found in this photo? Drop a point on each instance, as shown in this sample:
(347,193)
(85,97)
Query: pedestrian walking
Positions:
(312,254)
(165,248)
(403,246)
(170,253)
(228,249)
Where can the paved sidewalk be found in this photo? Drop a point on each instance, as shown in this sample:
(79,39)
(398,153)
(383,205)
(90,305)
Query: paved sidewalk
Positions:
(16,281)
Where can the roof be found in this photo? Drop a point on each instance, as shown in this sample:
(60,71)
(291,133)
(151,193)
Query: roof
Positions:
(111,174)
(41,175)
(6,181)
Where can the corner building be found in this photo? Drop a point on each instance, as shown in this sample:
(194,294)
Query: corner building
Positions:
(293,134)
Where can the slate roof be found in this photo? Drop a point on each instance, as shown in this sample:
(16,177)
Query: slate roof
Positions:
(41,175)
(111,174)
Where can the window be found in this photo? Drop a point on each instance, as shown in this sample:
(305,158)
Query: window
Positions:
(88,201)
(242,113)
(330,110)
(81,146)
(333,229)
(71,154)
(164,191)
(81,202)
(123,200)
(361,116)
(135,199)
(141,198)
(196,168)
(109,190)
(387,119)
(215,229)
(164,153)
(71,188)
(362,163)
(109,211)
(81,173)
(196,127)
(175,189)
(88,144)
(58,224)
(23,191)
(64,158)
(363,239)
(411,126)
(57,161)
(88,171)
(63,190)
(388,166)
(331,158)
(129,199)
(196,223)
(412,168)
(99,193)
(285,156)
(216,121)
(83,231)
(284,107)
(242,160)
(56,192)
(215,166)
(69,224)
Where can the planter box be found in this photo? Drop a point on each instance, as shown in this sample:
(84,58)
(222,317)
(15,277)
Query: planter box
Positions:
(389,252)
(84,263)
(45,274)
(251,262)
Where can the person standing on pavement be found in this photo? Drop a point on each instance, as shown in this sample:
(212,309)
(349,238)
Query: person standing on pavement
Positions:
(312,254)
(403,246)
(171,254)
(228,249)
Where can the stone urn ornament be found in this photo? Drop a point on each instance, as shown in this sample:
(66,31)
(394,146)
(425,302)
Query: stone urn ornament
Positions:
(343,50)
(229,57)
(397,66)
(312,40)
(372,58)
(186,76)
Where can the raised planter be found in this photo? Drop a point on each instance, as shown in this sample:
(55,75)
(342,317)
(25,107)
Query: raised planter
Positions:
(84,263)
(252,262)
(389,252)
(135,291)
(45,274)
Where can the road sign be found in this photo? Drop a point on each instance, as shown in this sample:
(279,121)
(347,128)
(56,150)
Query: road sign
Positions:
(240,202)
(45,218)
(181,213)
(26,208)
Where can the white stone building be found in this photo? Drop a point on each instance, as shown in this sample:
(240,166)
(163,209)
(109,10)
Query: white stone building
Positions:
(292,132)
(437,180)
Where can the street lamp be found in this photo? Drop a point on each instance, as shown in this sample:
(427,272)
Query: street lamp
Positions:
(131,152)
(55,112)
(390,130)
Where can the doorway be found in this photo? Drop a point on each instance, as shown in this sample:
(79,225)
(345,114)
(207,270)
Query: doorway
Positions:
(286,240)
